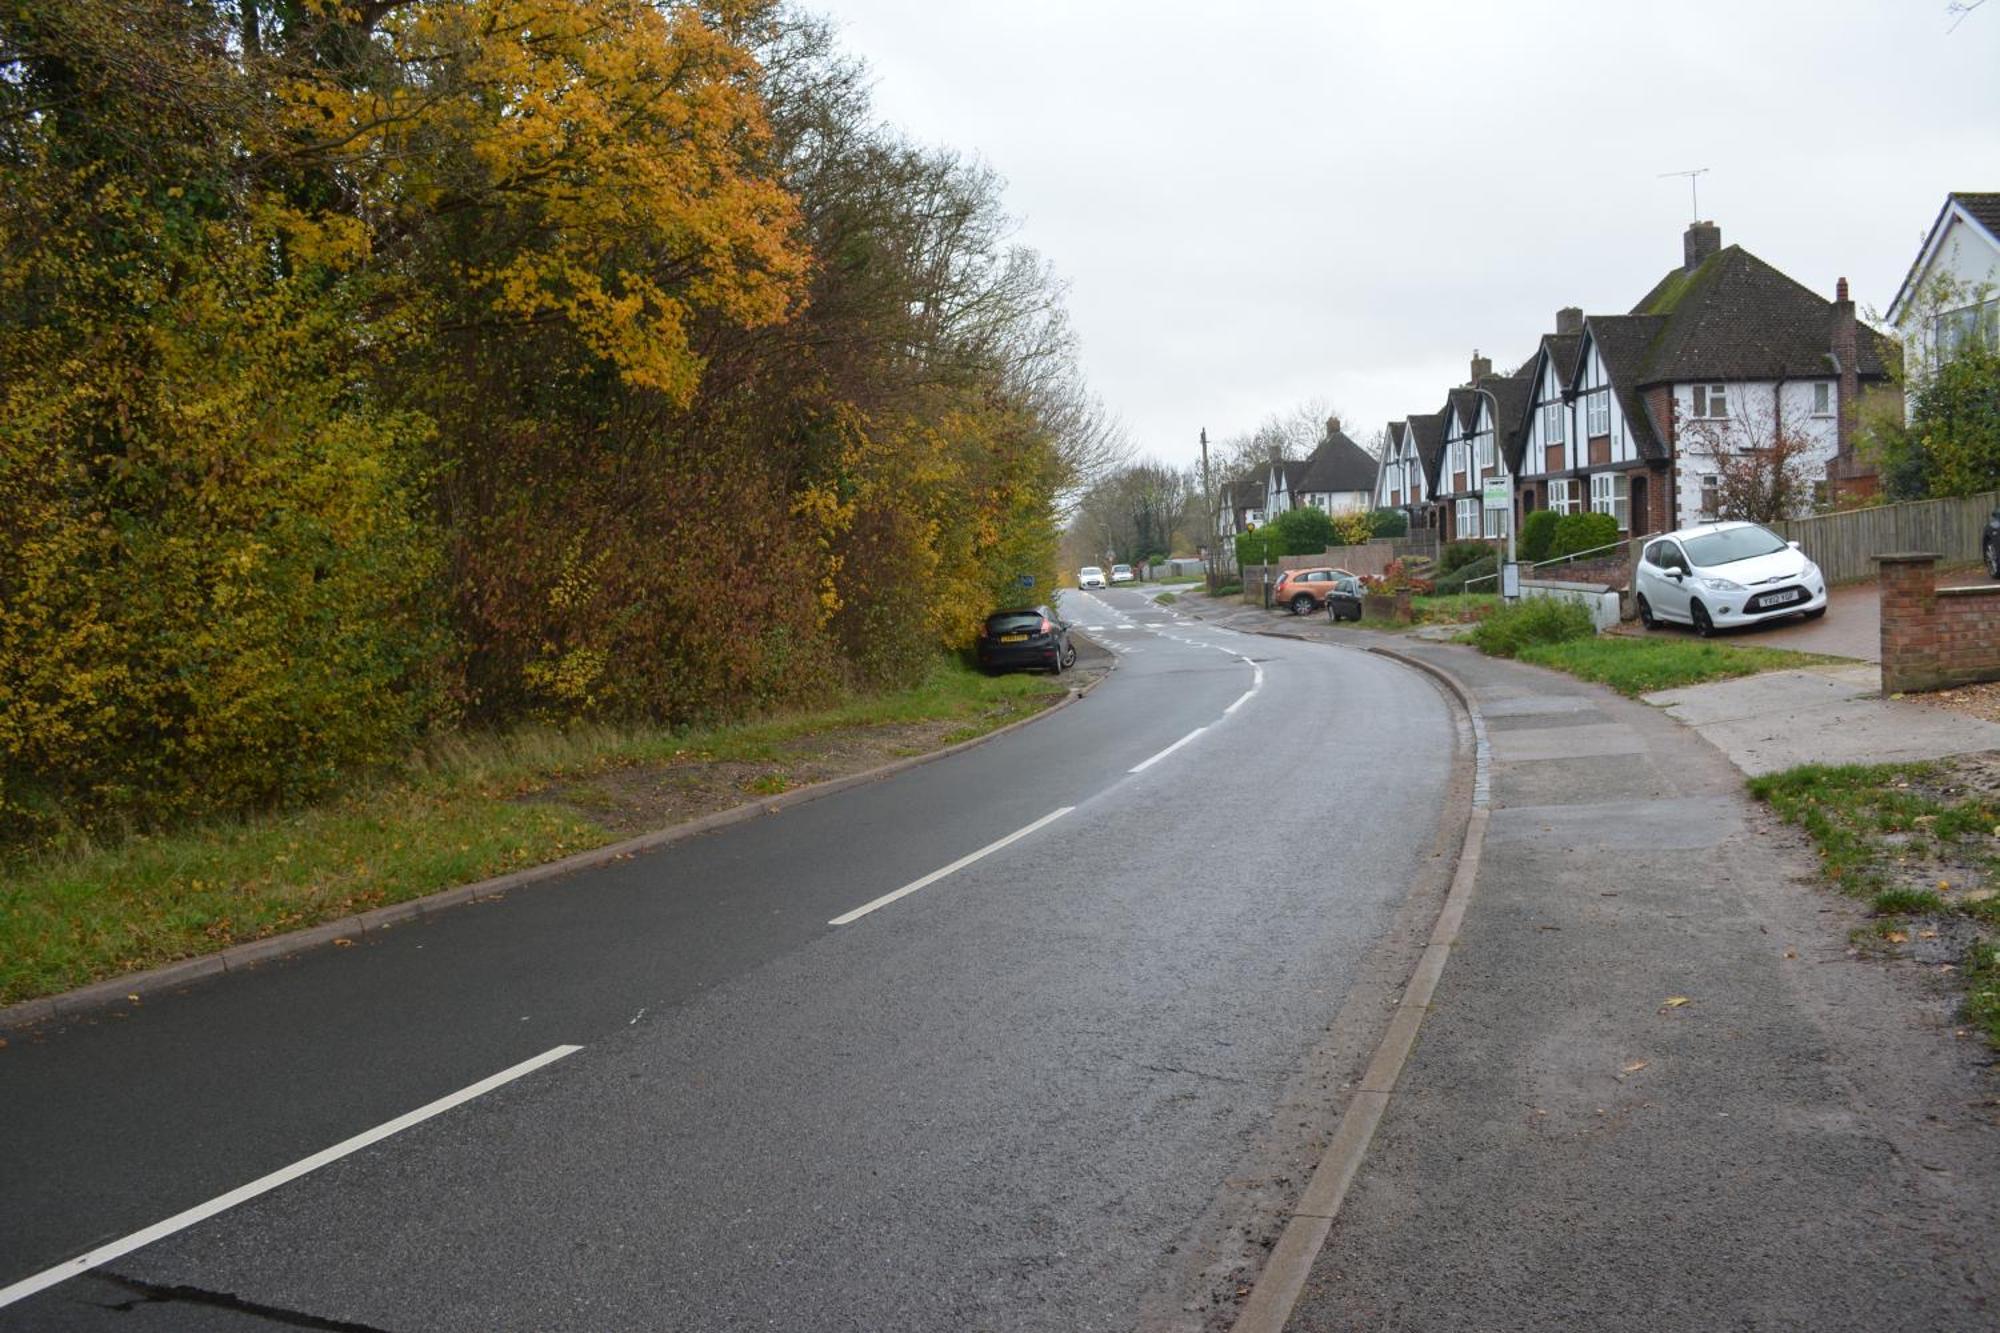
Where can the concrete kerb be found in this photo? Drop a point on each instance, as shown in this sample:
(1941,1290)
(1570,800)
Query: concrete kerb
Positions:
(136,986)
(1277,1289)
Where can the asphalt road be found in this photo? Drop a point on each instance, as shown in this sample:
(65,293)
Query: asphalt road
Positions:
(1008,1099)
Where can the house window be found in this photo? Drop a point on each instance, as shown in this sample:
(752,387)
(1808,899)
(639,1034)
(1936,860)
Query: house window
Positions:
(1822,399)
(1468,518)
(1552,423)
(1711,401)
(1485,452)
(1599,408)
(1711,495)
(1611,493)
(1958,329)
(1562,496)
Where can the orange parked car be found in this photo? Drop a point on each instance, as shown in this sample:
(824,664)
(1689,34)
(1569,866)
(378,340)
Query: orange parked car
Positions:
(1303,591)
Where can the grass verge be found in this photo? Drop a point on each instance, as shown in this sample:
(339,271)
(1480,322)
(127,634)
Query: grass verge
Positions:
(466,809)
(1920,843)
(1640,666)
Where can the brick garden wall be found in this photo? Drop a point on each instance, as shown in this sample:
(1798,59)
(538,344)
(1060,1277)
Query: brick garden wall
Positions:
(1935,637)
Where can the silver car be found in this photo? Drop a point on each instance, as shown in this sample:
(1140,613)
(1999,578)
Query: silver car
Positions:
(1722,575)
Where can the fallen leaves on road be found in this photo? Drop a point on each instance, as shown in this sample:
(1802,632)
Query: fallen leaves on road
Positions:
(1897,937)
(1675,1002)
(1634,1066)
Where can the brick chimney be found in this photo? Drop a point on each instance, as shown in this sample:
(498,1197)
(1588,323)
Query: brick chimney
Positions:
(1847,357)
(1569,319)
(1703,239)
(1332,427)
(1482,366)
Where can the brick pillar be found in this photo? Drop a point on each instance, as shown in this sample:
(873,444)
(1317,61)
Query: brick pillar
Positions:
(1909,621)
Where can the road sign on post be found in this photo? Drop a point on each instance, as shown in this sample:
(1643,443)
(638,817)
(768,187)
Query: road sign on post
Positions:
(1499,494)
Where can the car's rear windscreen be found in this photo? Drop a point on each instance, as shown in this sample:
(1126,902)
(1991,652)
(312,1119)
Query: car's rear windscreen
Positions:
(1013,622)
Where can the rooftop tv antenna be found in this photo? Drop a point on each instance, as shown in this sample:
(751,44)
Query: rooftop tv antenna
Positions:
(1693,198)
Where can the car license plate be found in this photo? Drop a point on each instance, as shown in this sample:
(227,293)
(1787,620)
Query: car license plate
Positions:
(1013,638)
(1780,598)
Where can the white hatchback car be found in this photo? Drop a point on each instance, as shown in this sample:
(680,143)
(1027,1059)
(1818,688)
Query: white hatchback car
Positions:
(1722,575)
(1121,574)
(1090,576)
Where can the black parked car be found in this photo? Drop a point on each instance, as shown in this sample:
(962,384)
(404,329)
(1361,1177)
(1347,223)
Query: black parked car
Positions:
(1989,544)
(1032,637)
(1343,599)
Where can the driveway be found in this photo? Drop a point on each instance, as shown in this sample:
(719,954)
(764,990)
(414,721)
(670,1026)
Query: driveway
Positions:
(1851,627)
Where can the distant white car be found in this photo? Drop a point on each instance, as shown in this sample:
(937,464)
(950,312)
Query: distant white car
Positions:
(1090,576)
(1122,574)
(1721,575)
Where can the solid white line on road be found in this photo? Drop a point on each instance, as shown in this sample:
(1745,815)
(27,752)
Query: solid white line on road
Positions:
(1140,768)
(848,918)
(1241,699)
(181,1221)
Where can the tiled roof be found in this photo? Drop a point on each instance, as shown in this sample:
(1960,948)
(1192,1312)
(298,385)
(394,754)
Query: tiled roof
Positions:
(1562,349)
(1339,464)
(1428,427)
(1736,317)
(1464,404)
(1623,343)
(1984,208)
(1511,396)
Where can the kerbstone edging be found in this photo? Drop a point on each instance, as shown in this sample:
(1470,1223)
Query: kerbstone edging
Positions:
(137,985)
(1275,1293)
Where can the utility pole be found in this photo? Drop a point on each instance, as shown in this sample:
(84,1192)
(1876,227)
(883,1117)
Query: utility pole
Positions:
(1208,506)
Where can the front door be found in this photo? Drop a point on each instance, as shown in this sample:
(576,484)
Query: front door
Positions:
(1637,518)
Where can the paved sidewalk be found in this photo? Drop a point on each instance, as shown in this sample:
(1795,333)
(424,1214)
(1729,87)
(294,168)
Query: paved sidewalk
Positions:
(1653,1090)
(1832,716)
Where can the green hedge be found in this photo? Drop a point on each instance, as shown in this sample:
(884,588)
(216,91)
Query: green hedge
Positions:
(1454,582)
(1389,523)
(1583,532)
(1533,620)
(1538,534)
(1459,554)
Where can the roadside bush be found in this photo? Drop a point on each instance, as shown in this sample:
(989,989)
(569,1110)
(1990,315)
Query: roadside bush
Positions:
(1484,567)
(1458,554)
(1538,534)
(1582,532)
(1530,621)
(1388,523)
(1399,578)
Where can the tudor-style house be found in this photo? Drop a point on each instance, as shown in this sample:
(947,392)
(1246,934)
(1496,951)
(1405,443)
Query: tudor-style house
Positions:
(1338,477)
(1481,428)
(1723,354)
(1399,475)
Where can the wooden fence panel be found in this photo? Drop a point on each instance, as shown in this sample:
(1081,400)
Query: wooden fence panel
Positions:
(1845,545)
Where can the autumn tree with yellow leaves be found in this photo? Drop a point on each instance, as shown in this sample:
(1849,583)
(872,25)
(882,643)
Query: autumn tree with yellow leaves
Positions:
(373,368)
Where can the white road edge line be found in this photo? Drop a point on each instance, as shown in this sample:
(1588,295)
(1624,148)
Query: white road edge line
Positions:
(848,918)
(1241,699)
(181,1221)
(1142,767)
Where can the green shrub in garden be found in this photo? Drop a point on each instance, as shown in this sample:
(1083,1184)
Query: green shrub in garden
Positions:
(1583,532)
(1538,534)
(1458,554)
(1483,568)
(1529,621)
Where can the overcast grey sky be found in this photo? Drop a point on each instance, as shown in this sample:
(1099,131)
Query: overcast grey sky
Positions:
(1261,202)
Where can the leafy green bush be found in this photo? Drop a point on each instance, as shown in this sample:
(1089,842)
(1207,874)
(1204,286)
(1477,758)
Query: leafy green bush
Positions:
(1389,523)
(1538,534)
(1582,532)
(1484,567)
(1457,554)
(1530,621)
